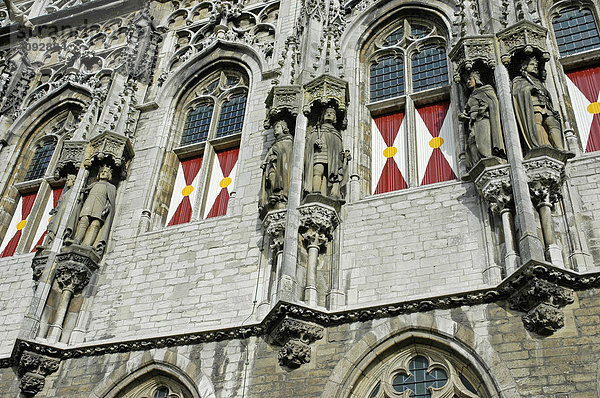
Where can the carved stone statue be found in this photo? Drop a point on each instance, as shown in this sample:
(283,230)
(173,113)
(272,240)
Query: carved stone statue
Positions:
(538,122)
(277,169)
(58,212)
(97,212)
(482,113)
(14,14)
(324,159)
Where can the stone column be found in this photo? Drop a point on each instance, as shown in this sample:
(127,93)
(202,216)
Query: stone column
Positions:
(318,221)
(274,226)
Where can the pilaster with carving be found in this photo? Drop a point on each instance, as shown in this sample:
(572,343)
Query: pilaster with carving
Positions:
(33,369)
(295,337)
(542,301)
(317,223)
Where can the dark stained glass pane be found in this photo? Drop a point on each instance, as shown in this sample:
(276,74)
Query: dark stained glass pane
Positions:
(420,380)
(387,78)
(41,159)
(232,116)
(429,68)
(394,38)
(197,124)
(575,31)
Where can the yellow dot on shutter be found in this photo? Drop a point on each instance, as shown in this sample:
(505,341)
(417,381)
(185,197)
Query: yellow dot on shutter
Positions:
(390,151)
(436,142)
(21,225)
(187,190)
(225,182)
(594,108)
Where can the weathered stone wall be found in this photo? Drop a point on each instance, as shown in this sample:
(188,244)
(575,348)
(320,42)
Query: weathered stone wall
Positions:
(522,364)
(424,241)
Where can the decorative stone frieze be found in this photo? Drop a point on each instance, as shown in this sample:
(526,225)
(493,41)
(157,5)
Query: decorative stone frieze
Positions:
(470,50)
(326,89)
(283,102)
(541,300)
(274,225)
(295,337)
(522,37)
(33,369)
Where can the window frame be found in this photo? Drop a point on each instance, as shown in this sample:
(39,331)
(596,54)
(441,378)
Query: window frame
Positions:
(208,148)
(408,102)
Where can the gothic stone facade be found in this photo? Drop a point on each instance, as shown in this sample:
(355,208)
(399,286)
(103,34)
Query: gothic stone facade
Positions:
(300,198)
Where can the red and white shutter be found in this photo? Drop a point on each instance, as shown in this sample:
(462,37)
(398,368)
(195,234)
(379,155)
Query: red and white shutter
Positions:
(40,234)
(185,191)
(584,89)
(17,223)
(388,153)
(436,159)
(222,182)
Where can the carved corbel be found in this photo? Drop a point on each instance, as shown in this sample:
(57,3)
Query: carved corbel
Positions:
(76,264)
(523,37)
(542,301)
(283,102)
(33,369)
(71,155)
(493,184)
(274,225)
(545,169)
(295,337)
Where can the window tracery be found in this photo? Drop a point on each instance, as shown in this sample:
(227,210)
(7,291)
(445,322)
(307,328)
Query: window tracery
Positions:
(412,138)
(423,372)
(208,147)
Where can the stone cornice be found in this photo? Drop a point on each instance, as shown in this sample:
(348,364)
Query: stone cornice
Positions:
(539,270)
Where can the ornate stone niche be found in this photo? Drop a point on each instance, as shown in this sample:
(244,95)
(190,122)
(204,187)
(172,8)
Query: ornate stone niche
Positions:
(33,369)
(522,37)
(109,148)
(71,156)
(325,160)
(542,301)
(317,223)
(470,50)
(283,102)
(295,337)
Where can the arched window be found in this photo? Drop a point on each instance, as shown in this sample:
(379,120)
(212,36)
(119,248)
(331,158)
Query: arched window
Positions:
(576,31)
(421,371)
(409,93)
(41,160)
(208,147)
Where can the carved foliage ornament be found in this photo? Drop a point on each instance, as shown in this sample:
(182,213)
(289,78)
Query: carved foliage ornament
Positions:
(295,336)
(75,269)
(317,223)
(33,369)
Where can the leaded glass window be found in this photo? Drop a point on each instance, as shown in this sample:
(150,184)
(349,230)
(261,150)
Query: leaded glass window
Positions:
(232,116)
(420,379)
(40,161)
(576,31)
(197,124)
(409,48)
(161,392)
(387,78)
(430,68)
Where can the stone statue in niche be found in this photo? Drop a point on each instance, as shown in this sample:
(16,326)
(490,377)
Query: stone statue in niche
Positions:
(538,122)
(94,217)
(325,161)
(482,116)
(277,169)
(58,212)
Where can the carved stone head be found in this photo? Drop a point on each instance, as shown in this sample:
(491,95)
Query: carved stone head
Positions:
(329,115)
(105,173)
(70,180)
(530,66)
(281,128)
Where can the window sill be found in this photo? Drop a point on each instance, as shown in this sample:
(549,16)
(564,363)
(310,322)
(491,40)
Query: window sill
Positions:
(580,60)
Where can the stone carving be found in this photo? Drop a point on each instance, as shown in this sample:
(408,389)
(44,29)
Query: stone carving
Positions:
(325,161)
(541,300)
(538,122)
(114,147)
(283,102)
(523,37)
(482,117)
(274,225)
(33,369)
(493,184)
(14,84)
(95,216)
(277,170)
(143,39)
(295,336)
(70,159)
(14,14)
